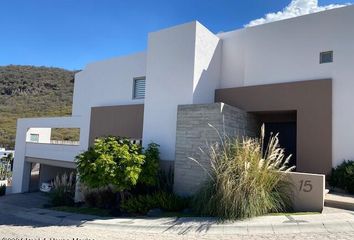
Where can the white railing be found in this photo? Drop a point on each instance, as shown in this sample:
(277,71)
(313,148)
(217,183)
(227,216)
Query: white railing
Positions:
(64,142)
(58,142)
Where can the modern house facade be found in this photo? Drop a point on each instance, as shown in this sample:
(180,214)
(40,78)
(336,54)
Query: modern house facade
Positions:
(295,75)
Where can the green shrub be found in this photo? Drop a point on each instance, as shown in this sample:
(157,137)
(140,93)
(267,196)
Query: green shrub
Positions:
(63,191)
(4,174)
(245,181)
(2,190)
(150,168)
(112,161)
(91,198)
(141,204)
(165,181)
(343,176)
(102,198)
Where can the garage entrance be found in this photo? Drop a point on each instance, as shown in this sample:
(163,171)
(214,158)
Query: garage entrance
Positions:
(44,171)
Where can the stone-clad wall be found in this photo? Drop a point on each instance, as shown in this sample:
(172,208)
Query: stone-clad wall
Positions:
(193,133)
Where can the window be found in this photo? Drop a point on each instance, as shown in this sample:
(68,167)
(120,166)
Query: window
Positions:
(139,88)
(326,57)
(34,137)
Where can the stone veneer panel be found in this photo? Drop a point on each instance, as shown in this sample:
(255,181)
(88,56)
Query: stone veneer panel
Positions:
(194,133)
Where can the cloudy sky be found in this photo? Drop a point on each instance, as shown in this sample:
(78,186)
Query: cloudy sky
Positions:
(72,33)
(294,9)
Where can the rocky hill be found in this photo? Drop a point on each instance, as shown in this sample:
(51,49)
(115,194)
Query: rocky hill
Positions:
(28,91)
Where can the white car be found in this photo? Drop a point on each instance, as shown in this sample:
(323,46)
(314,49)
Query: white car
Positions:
(46,187)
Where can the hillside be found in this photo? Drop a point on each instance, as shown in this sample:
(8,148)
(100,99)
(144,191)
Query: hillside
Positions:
(28,91)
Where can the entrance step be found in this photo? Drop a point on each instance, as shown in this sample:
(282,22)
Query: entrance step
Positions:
(340,200)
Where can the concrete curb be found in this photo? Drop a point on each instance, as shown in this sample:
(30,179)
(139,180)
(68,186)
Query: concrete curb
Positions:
(339,200)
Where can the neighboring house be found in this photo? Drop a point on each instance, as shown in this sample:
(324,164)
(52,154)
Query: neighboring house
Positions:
(295,75)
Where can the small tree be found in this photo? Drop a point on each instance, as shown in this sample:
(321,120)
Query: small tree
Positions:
(150,168)
(112,161)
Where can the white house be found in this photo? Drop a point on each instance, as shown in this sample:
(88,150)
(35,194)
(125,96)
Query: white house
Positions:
(295,75)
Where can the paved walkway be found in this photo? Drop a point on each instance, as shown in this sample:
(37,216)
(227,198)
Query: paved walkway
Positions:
(341,200)
(20,220)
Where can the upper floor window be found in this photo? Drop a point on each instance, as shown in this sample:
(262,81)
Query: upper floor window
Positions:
(326,57)
(34,137)
(139,88)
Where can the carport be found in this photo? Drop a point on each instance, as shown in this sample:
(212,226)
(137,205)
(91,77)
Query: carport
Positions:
(45,170)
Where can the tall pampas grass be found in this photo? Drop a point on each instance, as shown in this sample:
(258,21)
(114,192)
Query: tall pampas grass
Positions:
(246,179)
(63,191)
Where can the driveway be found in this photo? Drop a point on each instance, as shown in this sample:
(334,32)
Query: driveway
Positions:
(21,216)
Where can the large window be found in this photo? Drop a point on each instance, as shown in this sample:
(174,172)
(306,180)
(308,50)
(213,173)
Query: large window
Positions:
(139,88)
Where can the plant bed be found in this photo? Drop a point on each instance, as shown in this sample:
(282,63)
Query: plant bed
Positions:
(84,210)
(107,213)
(342,177)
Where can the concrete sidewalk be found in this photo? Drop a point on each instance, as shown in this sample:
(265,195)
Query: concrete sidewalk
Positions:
(319,223)
(332,221)
(25,209)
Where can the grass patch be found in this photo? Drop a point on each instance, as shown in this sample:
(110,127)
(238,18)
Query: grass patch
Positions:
(84,210)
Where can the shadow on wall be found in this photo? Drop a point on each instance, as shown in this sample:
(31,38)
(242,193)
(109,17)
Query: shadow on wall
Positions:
(209,80)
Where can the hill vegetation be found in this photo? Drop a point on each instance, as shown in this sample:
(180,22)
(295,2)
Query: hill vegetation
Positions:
(28,91)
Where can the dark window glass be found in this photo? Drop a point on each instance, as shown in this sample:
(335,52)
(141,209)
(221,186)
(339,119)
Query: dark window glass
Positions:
(326,57)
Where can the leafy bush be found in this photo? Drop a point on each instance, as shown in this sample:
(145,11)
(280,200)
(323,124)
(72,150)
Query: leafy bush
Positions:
(2,190)
(112,161)
(91,197)
(150,168)
(141,204)
(245,181)
(343,176)
(102,198)
(3,172)
(63,191)
(165,181)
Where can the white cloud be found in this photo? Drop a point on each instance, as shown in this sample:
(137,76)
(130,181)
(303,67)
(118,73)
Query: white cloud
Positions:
(294,9)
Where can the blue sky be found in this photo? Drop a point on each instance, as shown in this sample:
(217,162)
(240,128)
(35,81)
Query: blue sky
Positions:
(72,33)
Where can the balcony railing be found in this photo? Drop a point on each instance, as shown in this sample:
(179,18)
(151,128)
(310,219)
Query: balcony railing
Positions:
(64,142)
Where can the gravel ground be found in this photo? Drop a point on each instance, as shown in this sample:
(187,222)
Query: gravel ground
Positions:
(85,233)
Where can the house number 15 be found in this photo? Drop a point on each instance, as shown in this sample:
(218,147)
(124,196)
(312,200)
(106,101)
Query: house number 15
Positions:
(305,186)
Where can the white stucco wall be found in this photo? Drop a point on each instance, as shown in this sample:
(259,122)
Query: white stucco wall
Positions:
(106,83)
(288,51)
(43,133)
(207,65)
(183,67)
(169,82)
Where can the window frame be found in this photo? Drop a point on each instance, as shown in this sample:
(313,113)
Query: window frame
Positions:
(324,53)
(134,97)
